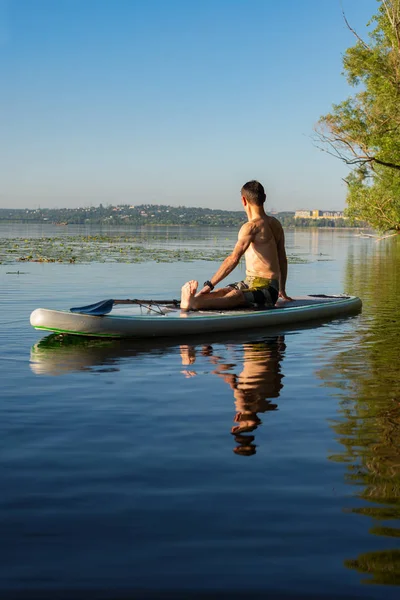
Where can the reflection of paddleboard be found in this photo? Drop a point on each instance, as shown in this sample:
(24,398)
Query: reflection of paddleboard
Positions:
(58,354)
(135,322)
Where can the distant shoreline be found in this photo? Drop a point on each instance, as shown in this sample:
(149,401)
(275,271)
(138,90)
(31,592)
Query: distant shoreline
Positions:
(149,215)
(176,225)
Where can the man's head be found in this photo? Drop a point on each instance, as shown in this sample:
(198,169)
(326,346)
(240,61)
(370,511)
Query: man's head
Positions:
(254,193)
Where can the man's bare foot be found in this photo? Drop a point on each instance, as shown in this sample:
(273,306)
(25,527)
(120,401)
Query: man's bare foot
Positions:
(284,297)
(187,294)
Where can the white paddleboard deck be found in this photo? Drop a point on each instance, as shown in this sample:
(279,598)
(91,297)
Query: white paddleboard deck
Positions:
(131,321)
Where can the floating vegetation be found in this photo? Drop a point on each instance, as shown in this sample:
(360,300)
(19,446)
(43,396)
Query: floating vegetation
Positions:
(16,273)
(115,249)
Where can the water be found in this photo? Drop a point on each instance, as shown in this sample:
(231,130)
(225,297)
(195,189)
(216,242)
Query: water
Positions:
(264,462)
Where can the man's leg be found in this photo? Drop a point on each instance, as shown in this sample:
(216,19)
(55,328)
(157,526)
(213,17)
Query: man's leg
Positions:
(217,292)
(231,299)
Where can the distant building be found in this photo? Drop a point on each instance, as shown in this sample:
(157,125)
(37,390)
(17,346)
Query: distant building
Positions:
(319,214)
(333,214)
(316,214)
(303,214)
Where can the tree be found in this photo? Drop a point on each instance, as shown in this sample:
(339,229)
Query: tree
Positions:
(364,130)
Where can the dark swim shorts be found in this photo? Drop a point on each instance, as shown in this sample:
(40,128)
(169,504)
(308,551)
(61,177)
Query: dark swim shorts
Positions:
(258,291)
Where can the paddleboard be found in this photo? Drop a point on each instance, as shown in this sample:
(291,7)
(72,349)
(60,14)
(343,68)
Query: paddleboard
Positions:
(154,321)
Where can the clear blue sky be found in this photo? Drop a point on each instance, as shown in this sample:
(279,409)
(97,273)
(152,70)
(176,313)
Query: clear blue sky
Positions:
(170,101)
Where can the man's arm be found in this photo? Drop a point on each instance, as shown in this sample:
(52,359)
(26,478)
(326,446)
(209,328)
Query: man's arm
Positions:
(283,264)
(245,237)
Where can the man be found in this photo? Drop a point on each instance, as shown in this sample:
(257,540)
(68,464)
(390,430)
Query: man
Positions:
(262,241)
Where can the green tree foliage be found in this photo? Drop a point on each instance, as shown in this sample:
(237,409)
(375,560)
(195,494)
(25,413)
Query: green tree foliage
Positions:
(364,130)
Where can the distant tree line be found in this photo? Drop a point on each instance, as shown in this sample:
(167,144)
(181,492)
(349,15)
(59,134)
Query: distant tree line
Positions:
(151,214)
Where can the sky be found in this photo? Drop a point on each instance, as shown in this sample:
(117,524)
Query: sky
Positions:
(174,102)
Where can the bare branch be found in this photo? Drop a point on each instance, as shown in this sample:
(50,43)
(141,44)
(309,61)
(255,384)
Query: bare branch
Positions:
(339,147)
(355,33)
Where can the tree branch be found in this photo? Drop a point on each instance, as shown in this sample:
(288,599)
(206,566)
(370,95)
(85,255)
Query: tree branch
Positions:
(395,22)
(351,146)
(355,33)
(386,164)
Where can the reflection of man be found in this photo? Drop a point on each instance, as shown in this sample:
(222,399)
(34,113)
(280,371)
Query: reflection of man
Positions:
(259,380)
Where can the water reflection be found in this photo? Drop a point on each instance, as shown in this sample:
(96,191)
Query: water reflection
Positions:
(368,424)
(254,374)
(259,381)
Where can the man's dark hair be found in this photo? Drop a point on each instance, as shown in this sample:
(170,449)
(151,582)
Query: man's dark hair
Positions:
(254,193)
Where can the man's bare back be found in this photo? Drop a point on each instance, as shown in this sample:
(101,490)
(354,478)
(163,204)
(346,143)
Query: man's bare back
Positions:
(261,240)
(262,255)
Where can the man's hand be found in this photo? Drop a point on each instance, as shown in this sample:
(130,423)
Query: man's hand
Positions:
(284,296)
(204,290)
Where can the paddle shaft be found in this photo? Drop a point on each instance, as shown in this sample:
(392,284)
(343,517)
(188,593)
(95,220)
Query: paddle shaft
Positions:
(138,301)
(105,306)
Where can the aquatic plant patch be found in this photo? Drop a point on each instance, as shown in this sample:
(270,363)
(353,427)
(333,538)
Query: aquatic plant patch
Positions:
(102,249)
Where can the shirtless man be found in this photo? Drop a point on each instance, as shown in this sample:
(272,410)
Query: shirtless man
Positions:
(262,241)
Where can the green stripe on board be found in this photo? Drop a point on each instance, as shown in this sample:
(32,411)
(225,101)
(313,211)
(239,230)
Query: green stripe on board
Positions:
(111,335)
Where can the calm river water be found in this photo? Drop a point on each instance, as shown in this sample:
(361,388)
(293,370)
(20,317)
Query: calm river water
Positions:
(264,464)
